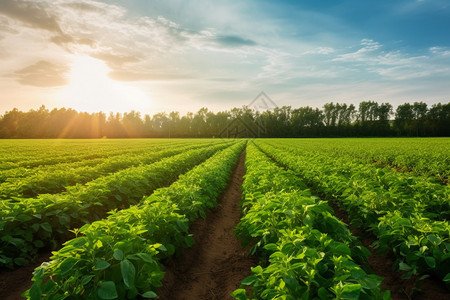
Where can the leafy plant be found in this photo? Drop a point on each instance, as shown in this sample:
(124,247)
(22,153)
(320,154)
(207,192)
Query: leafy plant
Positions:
(31,224)
(402,210)
(306,252)
(118,257)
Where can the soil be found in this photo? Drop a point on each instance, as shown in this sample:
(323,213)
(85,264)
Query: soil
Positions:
(382,265)
(217,263)
(15,282)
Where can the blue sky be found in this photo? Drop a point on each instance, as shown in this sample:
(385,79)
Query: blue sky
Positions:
(165,55)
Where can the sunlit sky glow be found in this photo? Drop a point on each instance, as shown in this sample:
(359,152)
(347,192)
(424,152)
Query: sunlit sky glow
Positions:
(165,55)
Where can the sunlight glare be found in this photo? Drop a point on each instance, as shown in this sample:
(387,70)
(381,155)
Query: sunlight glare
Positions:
(91,90)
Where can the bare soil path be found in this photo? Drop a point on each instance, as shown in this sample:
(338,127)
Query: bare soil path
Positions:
(14,283)
(217,263)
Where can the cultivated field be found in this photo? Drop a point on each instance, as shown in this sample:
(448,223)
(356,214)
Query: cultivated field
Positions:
(206,218)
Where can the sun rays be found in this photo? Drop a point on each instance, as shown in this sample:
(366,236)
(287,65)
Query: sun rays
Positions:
(91,90)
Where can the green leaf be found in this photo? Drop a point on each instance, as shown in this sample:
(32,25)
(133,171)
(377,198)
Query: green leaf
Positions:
(183,224)
(101,265)
(239,294)
(257,270)
(77,242)
(323,293)
(47,227)
(370,282)
(149,294)
(447,246)
(446,278)
(38,274)
(404,222)
(107,290)
(118,197)
(297,265)
(86,279)
(118,254)
(434,239)
(162,248)
(128,272)
(404,267)
(48,287)
(351,291)
(290,281)
(35,227)
(387,295)
(145,257)
(358,273)
(170,249)
(308,221)
(38,243)
(19,243)
(67,265)
(271,247)
(35,292)
(20,261)
(249,280)
(431,262)
(341,249)
(64,220)
(364,250)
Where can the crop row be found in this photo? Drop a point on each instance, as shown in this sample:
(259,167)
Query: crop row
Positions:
(30,224)
(66,152)
(426,156)
(306,252)
(21,171)
(57,180)
(390,190)
(408,217)
(119,257)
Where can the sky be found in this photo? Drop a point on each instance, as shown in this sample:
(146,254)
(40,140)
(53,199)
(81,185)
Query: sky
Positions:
(172,55)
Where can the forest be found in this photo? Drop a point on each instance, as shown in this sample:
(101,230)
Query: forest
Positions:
(333,120)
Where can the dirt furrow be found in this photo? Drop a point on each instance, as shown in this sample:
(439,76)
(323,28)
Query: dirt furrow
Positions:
(217,263)
(13,283)
(382,265)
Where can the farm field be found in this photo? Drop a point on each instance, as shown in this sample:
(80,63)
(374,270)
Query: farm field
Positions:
(222,219)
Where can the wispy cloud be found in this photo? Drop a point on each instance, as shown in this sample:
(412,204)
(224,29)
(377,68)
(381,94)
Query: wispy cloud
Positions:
(321,50)
(42,74)
(363,54)
(199,50)
(395,64)
(33,14)
(135,48)
(440,51)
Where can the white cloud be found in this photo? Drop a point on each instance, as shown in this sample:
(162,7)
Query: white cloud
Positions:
(135,48)
(440,51)
(213,52)
(394,64)
(321,50)
(362,54)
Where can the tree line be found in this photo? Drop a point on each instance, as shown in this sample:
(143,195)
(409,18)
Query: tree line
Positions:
(333,120)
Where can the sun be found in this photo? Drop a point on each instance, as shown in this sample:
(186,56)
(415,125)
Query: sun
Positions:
(91,90)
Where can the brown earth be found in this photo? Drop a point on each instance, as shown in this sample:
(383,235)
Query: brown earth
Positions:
(15,282)
(382,265)
(217,263)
